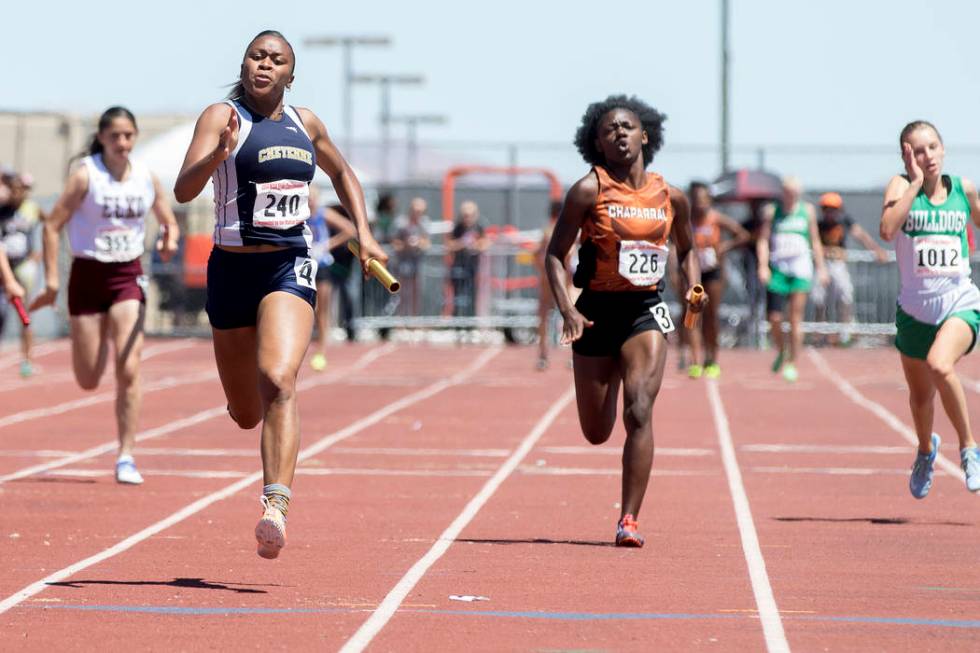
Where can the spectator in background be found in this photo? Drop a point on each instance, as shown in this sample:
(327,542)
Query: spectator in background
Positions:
(835,225)
(20,219)
(410,242)
(331,231)
(467,241)
(385,217)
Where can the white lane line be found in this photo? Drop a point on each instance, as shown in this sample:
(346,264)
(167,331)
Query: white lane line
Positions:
(158,349)
(32,453)
(360,639)
(612,451)
(395,451)
(103,397)
(883,413)
(529,470)
(187,511)
(38,351)
(537,470)
(46,379)
(301,471)
(191,420)
(833,471)
(38,381)
(971,384)
(357,471)
(185,473)
(112,445)
(772,625)
(821,449)
(193,453)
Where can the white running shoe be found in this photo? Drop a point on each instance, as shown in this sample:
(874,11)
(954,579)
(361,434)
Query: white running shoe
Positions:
(126,471)
(270,532)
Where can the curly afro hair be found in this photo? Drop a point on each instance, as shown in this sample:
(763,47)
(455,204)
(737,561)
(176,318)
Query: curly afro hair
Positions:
(651,120)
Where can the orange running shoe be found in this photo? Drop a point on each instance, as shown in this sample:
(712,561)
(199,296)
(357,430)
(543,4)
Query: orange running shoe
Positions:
(626,533)
(270,532)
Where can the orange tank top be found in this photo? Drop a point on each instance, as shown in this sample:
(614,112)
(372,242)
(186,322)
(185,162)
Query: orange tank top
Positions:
(629,228)
(707,233)
(707,236)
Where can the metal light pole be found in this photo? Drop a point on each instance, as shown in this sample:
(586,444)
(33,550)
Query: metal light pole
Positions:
(725,134)
(412,123)
(347,43)
(385,81)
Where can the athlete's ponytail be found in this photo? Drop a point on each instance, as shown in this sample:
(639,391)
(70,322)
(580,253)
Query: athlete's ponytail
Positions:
(237,91)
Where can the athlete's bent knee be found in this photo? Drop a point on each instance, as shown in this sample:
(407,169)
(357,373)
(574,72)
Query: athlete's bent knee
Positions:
(637,412)
(277,386)
(596,434)
(248,420)
(939,366)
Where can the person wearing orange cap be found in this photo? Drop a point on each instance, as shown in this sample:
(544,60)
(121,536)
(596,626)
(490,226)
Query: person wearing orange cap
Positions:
(834,226)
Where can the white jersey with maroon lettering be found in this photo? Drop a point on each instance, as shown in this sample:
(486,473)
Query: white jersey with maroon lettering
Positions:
(109,226)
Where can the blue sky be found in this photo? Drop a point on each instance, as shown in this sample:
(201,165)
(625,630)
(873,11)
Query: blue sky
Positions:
(834,72)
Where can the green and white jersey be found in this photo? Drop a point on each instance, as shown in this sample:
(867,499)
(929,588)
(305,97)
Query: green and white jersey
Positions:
(934,258)
(790,251)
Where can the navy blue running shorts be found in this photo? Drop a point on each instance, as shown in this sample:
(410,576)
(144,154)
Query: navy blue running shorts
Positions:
(237,282)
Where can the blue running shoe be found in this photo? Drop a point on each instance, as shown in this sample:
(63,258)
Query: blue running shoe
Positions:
(921,480)
(970,462)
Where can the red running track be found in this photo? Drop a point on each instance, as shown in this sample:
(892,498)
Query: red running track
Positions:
(778,516)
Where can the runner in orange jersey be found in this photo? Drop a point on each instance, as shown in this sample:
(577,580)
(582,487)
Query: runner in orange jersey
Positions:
(708,225)
(617,327)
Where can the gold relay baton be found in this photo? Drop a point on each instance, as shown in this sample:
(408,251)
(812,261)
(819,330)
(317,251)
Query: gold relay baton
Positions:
(693,317)
(376,269)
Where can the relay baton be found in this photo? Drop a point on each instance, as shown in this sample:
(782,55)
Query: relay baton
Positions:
(25,319)
(376,269)
(693,316)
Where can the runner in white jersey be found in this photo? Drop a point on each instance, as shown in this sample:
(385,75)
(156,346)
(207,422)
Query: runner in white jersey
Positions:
(105,204)
(927,214)
(260,155)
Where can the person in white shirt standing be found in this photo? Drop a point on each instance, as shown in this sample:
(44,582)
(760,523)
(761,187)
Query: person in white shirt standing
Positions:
(104,204)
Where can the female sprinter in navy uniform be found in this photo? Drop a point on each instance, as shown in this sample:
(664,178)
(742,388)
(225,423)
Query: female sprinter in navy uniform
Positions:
(261,155)
(104,206)
(618,324)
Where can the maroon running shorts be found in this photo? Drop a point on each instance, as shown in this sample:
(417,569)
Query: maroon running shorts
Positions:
(94,286)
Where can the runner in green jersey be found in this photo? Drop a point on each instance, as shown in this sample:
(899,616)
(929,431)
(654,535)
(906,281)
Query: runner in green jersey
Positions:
(926,213)
(787,248)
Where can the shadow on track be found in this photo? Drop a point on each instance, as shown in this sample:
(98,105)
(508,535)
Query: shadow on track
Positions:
(538,540)
(878,521)
(53,479)
(191,583)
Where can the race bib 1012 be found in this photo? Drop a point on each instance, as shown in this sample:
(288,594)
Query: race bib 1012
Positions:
(938,256)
